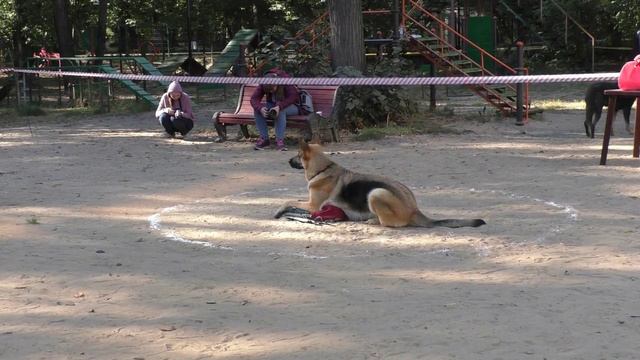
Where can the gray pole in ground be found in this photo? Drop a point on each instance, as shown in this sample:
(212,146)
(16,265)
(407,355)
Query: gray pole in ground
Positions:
(520,86)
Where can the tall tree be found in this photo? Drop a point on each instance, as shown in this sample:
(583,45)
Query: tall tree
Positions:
(17,37)
(347,40)
(102,28)
(63,28)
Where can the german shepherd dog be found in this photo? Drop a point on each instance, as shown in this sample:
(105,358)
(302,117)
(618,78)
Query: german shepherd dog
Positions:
(361,197)
(596,99)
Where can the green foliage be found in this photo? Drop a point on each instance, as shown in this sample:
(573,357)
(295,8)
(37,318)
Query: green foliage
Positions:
(133,106)
(6,26)
(369,106)
(433,123)
(395,65)
(568,49)
(213,21)
(299,58)
(30,109)
(626,15)
(122,106)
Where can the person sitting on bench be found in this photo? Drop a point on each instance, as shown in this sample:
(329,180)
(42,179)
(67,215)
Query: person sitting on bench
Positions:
(174,111)
(281,101)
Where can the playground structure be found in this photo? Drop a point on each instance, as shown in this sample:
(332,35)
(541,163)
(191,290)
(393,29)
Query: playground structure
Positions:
(425,34)
(448,40)
(441,43)
(84,91)
(234,50)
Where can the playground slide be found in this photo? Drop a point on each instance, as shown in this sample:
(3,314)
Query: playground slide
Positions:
(135,88)
(149,68)
(230,54)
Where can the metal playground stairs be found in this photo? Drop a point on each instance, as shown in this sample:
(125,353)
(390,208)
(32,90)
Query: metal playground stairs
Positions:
(450,52)
(443,46)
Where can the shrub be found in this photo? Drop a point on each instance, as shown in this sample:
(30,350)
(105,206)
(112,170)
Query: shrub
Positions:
(30,109)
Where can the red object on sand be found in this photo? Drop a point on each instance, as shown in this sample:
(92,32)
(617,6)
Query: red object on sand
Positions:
(329,213)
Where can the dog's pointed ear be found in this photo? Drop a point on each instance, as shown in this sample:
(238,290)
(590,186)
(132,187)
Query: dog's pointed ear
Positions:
(303,145)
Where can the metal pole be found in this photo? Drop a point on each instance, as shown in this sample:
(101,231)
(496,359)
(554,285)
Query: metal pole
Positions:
(396,22)
(541,15)
(593,55)
(432,89)
(168,44)
(189,26)
(24,87)
(17,77)
(520,86)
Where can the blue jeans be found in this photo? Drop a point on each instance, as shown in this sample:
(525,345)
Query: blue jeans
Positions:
(172,124)
(279,124)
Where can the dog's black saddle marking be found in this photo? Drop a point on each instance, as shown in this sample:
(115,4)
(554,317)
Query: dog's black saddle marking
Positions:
(355,193)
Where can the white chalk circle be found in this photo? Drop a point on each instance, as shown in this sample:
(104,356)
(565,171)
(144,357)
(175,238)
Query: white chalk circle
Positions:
(245,223)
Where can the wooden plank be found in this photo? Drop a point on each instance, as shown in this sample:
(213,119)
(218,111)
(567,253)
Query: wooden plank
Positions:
(323,100)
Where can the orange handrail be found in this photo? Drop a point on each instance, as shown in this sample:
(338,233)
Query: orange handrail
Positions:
(449,28)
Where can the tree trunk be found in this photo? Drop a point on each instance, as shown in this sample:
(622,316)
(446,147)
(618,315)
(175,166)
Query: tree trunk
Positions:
(63,29)
(18,38)
(102,28)
(123,41)
(347,39)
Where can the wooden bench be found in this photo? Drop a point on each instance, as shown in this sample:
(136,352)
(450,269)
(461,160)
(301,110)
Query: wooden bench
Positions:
(323,96)
(611,113)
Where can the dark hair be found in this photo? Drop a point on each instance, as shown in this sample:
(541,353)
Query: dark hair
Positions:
(279,90)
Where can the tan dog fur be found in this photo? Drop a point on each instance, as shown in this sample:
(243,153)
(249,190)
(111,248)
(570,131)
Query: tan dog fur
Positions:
(362,197)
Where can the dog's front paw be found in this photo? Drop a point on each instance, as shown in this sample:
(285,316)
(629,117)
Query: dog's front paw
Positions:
(373,221)
(292,210)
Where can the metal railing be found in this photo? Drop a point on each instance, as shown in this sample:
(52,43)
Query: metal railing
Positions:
(568,17)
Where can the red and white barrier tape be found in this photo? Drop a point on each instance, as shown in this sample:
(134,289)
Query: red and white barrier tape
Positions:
(462,80)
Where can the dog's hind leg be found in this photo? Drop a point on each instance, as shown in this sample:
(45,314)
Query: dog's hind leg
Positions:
(597,113)
(587,121)
(626,111)
(388,208)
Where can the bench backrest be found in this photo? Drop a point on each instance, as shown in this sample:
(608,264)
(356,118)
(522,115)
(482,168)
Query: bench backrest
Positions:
(324,98)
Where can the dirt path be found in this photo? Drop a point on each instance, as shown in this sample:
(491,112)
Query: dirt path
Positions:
(119,244)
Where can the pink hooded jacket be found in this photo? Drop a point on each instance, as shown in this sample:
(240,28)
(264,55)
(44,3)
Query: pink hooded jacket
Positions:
(183,104)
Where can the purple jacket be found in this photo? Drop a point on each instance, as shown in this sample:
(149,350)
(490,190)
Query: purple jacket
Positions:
(290,94)
(184,103)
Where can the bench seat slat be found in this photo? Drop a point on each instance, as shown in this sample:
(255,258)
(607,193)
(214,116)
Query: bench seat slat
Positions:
(323,100)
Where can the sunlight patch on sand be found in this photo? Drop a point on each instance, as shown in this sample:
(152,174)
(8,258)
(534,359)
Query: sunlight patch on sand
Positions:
(245,222)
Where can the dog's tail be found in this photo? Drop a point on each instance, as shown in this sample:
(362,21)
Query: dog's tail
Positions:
(420,220)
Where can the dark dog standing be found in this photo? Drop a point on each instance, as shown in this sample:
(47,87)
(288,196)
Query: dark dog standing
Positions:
(596,99)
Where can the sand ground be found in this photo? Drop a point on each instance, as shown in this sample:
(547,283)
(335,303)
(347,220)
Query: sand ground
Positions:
(117,243)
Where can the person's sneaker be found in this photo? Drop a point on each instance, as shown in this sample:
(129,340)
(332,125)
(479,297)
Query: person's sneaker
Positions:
(280,146)
(169,135)
(261,144)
